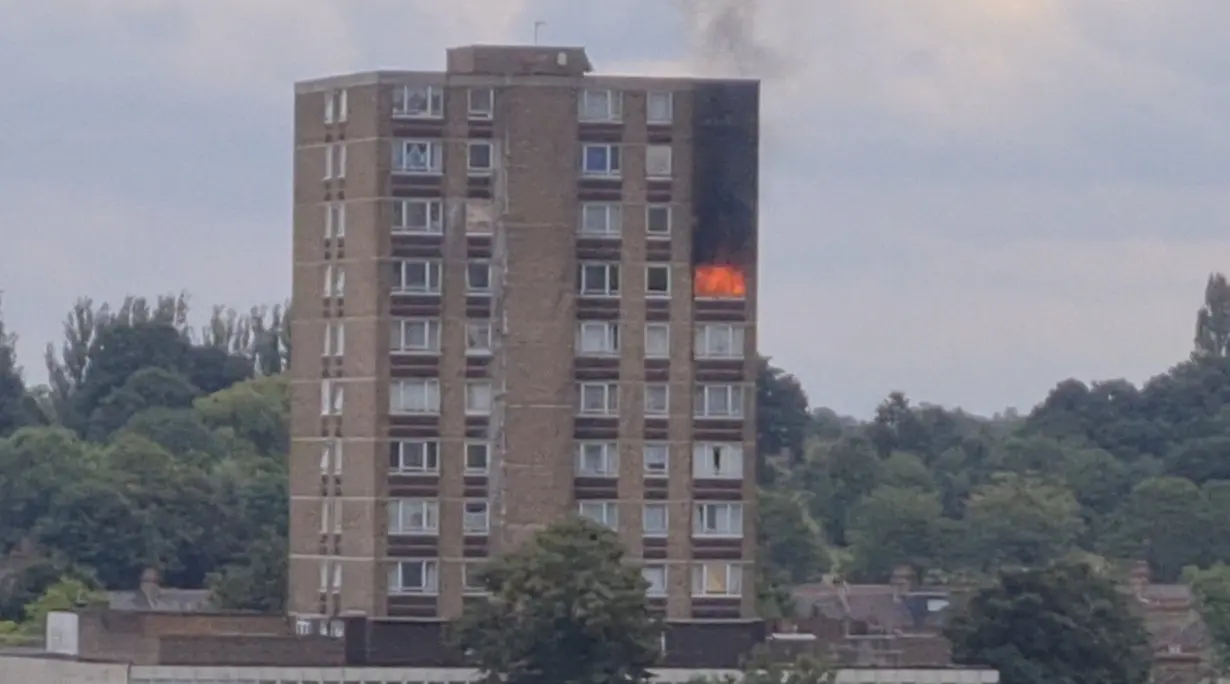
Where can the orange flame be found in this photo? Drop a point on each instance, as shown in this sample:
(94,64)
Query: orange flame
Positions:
(720,281)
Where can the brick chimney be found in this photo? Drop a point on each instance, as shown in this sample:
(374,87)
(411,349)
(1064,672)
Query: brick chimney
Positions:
(1138,578)
(903,580)
(149,586)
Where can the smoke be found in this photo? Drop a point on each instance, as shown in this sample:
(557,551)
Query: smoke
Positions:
(724,42)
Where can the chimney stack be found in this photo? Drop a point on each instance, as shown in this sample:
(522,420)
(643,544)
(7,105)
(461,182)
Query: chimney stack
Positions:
(149,585)
(902,580)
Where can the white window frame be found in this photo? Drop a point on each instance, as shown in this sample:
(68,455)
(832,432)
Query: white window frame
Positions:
(719,341)
(399,340)
(610,273)
(428,510)
(335,220)
(729,457)
(476,517)
(659,161)
(651,349)
(602,512)
(331,520)
(331,454)
(332,397)
(602,456)
(432,100)
(336,106)
(429,571)
(473,448)
(433,159)
(732,579)
(649,573)
(479,216)
(475,170)
(657,389)
(613,167)
(327,587)
(718,520)
(433,213)
(428,388)
(426,451)
(658,268)
(473,269)
(662,208)
(480,112)
(650,452)
(605,333)
(607,391)
(475,391)
(601,219)
(335,280)
(478,337)
(657,507)
(704,398)
(468,574)
(335,161)
(335,339)
(590,109)
(433,275)
(658,118)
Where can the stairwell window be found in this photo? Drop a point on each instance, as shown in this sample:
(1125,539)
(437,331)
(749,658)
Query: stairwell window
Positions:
(330,577)
(717,579)
(335,161)
(598,398)
(331,458)
(335,339)
(602,512)
(335,281)
(418,216)
(418,102)
(335,220)
(717,461)
(332,397)
(718,401)
(717,520)
(414,456)
(336,106)
(598,279)
(598,459)
(331,516)
(414,396)
(414,516)
(414,577)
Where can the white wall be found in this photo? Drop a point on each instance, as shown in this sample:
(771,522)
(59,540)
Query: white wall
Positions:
(22,670)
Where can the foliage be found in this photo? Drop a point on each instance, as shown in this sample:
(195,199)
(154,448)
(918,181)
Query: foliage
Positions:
(1062,624)
(1212,590)
(763,670)
(564,607)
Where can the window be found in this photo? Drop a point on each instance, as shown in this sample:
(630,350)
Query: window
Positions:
(331,458)
(418,102)
(601,512)
(597,338)
(327,586)
(717,579)
(598,279)
(478,398)
(719,341)
(331,516)
(479,158)
(335,161)
(657,341)
(600,160)
(332,398)
(478,277)
(335,339)
(599,398)
(335,281)
(416,276)
(659,107)
(654,518)
(478,338)
(658,220)
(602,219)
(717,520)
(414,577)
(336,107)
(418,216)
(414,456)
(657,399)
(472,578)
(718,461)
(480,103)
(414,516)
(601,105)
(598,459)
(655,577)
(335,220)
(658,161)
(418,156)
(655,457)
(718,401)
(478,454)
(415,336)
(475,518)
(479,216)
(658,280)
(414,395)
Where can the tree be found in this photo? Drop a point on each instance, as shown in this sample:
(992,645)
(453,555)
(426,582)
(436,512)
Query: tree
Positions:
(564,607)
(762,669)
(896,526)
(781,413)
(1021,521)
(1213,320)
(791,541)
(1212,591)
(17,408)
(1060,625)
(257,582)
(1163,521)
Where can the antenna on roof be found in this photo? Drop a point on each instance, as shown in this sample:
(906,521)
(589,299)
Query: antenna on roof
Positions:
(538,25)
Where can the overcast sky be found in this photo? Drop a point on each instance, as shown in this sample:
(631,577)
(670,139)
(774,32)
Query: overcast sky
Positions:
(967,200)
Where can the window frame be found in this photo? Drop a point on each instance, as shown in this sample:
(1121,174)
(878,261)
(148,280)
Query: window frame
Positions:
(331,512)
(608,454)
(398,336)
(468,470)
(334,569)
(429,510)
(607,290)
(429,453)
(666,460)
(434,156)
(703,332)
(650,591)
(332,456)
(704,511)
(335,220)
(651,353)
(474,267)
(335,339)
(433,96)
(610,512)
(701,401)
(610,393)
(332,397)
(733,451)
(614,105)
(666,520)
(481,530)
(472,387)
(429,386)
(610,338)
(669,211)
(433,210)
(666,399)
(613,155)
(476,325)
(650,119)
(467,574)
(476,114)
(335,161)
(430,573)
(612,220)
(335,281)
(658,268)
(733,582)
(666,157)
(471,168)
(337,107)
(433,275)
